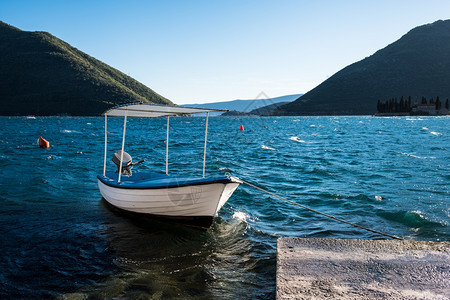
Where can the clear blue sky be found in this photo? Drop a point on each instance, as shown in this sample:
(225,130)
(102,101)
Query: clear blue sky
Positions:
(207,51)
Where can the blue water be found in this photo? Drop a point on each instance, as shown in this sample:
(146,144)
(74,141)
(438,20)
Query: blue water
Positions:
(58,238)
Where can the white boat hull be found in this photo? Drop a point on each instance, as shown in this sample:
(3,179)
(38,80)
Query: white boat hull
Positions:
(190,202)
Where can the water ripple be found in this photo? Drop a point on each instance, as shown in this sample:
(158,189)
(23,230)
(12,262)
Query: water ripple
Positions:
(59,239)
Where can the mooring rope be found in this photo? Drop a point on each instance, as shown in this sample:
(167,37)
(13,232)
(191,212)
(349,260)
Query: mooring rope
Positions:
(320,213)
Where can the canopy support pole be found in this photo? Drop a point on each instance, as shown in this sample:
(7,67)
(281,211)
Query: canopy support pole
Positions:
(167,147)
(204,150)
(123,145)
(106,143)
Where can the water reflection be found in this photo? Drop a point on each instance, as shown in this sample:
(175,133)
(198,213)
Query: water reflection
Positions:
(165,260)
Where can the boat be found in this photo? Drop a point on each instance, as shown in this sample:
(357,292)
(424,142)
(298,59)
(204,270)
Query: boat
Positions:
(188,200)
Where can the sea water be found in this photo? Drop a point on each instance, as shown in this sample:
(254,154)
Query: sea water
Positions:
(59,240)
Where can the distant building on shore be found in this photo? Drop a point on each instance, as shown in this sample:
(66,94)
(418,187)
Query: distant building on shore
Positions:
(405,107)
(428,110)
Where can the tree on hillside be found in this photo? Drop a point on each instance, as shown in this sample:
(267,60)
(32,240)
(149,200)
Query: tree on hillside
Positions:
(394,106)
(401,106)
(406,106)
(438,103)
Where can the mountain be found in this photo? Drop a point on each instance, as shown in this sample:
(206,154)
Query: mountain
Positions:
(416,65)
(43,75)
(268,109)
(245,105)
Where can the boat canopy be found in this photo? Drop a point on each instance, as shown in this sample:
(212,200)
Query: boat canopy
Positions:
(146,110)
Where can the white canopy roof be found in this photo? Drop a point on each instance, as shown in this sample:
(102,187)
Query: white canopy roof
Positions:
(146,110)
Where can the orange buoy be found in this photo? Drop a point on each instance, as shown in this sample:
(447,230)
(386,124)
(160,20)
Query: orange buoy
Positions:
(43,143)
(241,128)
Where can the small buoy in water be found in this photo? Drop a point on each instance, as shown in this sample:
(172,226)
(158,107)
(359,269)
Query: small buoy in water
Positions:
(241,128)
(43,143)
(265,126)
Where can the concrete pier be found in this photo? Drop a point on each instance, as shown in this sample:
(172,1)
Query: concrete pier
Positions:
(362,269)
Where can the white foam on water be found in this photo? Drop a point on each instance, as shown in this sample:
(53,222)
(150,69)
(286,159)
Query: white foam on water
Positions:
(432,132)
(416,156)
(267,148)
(240,216)
(296,139)
(418,212)
(69,131)
(378,198)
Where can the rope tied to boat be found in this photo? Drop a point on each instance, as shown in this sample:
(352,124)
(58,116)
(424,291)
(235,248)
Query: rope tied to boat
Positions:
(318,212)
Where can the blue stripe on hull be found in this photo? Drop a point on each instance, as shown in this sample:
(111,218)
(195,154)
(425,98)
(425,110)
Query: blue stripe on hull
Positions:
(156,181)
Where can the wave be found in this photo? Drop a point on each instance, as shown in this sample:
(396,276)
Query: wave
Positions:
(431,132)
(416,156)
(295,138)
(320,171)
(413,219)
(69,131)
(267,148)
(240,216)
(52,157)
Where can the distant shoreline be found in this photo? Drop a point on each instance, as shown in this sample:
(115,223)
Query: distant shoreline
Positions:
(252,115)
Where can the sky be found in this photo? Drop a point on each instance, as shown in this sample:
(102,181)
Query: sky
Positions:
(209,51)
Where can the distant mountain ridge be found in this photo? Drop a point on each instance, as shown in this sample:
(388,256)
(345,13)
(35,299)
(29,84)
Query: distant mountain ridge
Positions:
(245,105)
(43,75)
(416,65)
(268,109)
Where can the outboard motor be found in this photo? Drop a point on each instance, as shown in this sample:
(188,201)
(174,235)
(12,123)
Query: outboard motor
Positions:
(127,163)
